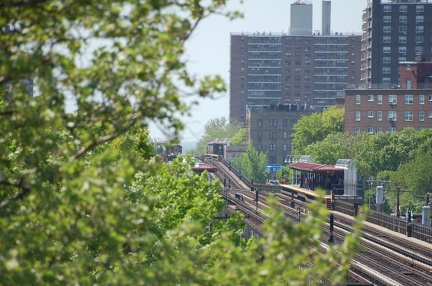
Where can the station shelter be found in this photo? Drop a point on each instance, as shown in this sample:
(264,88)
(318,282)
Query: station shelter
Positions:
(312,175)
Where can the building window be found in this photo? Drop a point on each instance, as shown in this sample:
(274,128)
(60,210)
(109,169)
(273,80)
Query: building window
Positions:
(259,147)
(421,99)
(272,159)
(421,115)
(408,116)
(386,70)
(419,39)
(272,147)
(402,19)
(273,122)
(429,114)
(272,135)
(379,115)
(259,134)
(285,135)
(403,29)
(357,99)
(392,99)
(357,115)
(285,147)
(386,39)
(409,99)
(392,116)
(370,97)
(386,50)
(369,130)
(418,50)
(379,99)
(387,8)
(419,29)
(387,29)
(379,130)
(419,9)
(285,122)
(429,97)
(402,50)
(259,122)
(387,19)
(386,60)
(402,39)
(370,114)
(403,8)
(391,129)
(386,80)
(419,19)
(357,130)
(401,59)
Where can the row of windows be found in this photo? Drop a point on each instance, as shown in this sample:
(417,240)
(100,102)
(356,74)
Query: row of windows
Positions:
(403,39)
(273,135)
(392,115)
(274,122)
(403,50)
(404,29)
(272,147)
(403,8)
(392,98)
(370,130)
(403,19)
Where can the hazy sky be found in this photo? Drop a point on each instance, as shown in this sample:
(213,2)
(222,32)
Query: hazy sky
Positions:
(209,49)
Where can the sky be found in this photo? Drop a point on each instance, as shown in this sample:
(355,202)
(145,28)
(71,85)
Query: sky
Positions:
(208,51)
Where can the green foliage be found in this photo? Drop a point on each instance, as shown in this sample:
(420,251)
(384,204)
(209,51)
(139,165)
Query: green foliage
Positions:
(335,146)
(252,164)
(415,175)
(83,200)
(316,127)
(218,128)
(239,139)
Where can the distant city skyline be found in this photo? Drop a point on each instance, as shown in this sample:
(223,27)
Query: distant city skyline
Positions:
(208,50)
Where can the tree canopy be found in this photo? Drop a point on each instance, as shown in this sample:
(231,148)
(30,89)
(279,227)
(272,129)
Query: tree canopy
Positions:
(84,200)
(316,127)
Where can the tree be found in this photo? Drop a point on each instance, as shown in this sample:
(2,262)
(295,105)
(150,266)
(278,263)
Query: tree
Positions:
(253,164)
(84,201)
(218,128)
(316,127)
(335,146)
(239,139)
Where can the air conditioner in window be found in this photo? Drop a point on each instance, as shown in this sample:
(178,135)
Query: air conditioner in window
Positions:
(391,119)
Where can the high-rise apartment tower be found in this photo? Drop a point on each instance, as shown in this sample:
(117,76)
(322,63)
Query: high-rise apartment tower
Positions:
(394,31)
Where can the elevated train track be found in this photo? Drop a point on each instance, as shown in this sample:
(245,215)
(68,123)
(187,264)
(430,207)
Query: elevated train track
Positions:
(387,259)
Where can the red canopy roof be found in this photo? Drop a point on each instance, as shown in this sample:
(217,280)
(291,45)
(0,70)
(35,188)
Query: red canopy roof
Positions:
(200,167)
(313,167)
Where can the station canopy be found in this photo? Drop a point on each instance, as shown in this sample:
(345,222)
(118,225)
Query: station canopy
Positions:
(315,168)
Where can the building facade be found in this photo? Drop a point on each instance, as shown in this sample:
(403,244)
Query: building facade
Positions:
(270,129)
(376,110)
(306,71)
(394,31)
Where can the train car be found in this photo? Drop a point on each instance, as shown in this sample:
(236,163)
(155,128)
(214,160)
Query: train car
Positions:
(171,152)
(216,149)
(201,167)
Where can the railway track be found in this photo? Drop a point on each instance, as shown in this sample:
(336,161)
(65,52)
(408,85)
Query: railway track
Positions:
(385,259)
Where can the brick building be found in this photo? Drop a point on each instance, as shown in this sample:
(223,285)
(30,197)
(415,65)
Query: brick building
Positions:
(376,110)
(270,128)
